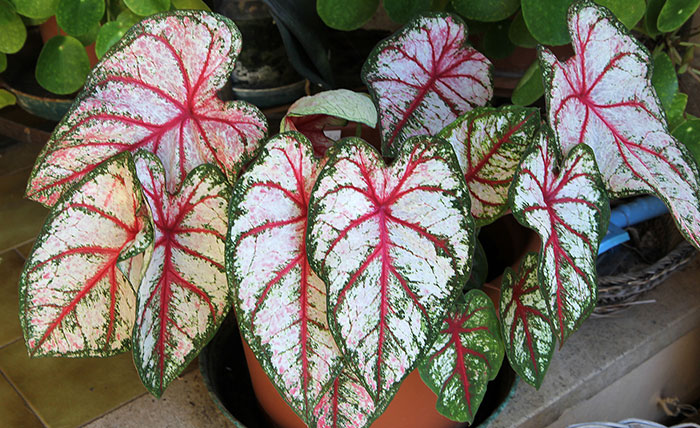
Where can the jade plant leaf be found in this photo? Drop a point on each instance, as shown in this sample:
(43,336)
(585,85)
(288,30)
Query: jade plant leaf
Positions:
(424,77)
(674,13)
(313,114)
(466,355)
(566,204)
(77,17)
(280,302)
(12,31)
(36,9)
(664,79)
(183,296)
(345,404)
(345,15)
(519,34)
(489,143)
(603,97)
(74,300)
(393,245)
(156,91)
(525,325)
(108,35)
(63,65)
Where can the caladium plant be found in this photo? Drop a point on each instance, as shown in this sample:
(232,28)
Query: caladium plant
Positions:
(348,269)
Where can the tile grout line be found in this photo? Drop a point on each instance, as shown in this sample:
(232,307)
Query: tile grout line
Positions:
(20,254)
(14,247)
(24,399)
(124,404)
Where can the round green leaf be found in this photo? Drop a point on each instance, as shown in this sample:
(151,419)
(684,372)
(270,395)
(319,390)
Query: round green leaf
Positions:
(63,65)
(689,134)
(675,113)
(37,9)
(402,10)
(77,17)
(190,4)
(7,98)
(486,10)
(109,34)
(652,15)
(519,34)
(496,44)
(147,7)
(530,87)
(89,37)
(546,20)
(128,18)
(664,79)
(345,15)
(629,12)
(674,14)
(12,31)
(3,62)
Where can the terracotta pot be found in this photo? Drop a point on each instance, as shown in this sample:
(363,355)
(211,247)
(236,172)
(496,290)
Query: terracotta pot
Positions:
(50,29)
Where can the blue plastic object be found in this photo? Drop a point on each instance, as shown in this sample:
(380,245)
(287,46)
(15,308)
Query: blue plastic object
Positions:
(637,211)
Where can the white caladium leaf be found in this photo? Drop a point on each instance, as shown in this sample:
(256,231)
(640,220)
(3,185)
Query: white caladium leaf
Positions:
(74,301)
(489,143)
(466,355)
(345,404)
(603,97)
(280,302)
(567,205)
(313,114)
(393,245)
(424,77)
(525,325)
(156,90)
(183,296)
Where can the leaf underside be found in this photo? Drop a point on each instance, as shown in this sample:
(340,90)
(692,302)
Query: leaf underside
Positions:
(603,97)
(466,355)
(525,326)
(183,296)
(74,300)
(567,206)
(393,245)
(489,143)
(155,90)
(424,77)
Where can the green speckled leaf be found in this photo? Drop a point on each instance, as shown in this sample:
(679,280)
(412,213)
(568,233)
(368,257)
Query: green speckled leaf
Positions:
(109,34)
(346,15)
(36,9)
(63,65)
(674,13)
(676,111)
(466,355)
(77,17)
(12,30)
(664,79)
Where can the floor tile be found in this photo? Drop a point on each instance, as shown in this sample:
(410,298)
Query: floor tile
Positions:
(25,249)
(15,156)
(21,219)
(13,410)
(69,392)
(10,269)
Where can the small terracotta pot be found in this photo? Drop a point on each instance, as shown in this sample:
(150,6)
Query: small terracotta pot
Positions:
(50,28)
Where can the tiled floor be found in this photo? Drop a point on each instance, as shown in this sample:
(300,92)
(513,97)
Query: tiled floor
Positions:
(36,392)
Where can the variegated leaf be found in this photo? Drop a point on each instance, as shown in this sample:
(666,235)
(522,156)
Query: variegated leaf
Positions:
(424,77)
(280,303)
(466,355)
(345,404)
(156,90)
(527,330)
(566,204)
(74,301)
(313,114)
(183,296)
(489,143)
(393,245)
(603,97)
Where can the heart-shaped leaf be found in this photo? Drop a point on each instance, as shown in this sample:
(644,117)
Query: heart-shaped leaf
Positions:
(345,404)
(566,204)
(489,143)
(393,245)
(466,355)
(74,301)
(280,303)
(603,97)
(183,296)
(424,77)
(311,115)
(525,326)
(546,20)
(156,91)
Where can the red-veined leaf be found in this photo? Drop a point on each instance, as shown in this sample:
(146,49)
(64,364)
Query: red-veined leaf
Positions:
(345,404)
(280,303)
(424,77)
(489,143)
(156,90)
(466,355)
(183,296)
(313,114)
(393,245)
(566,204)
(526,329)
(74,300)
(603,97)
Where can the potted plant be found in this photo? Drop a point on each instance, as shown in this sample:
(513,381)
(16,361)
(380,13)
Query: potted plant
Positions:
(346,271)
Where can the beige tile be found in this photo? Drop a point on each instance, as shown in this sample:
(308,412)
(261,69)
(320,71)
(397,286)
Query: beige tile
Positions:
(69,392)
(10,269)
(21,219)
(17,155)
(13,411)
